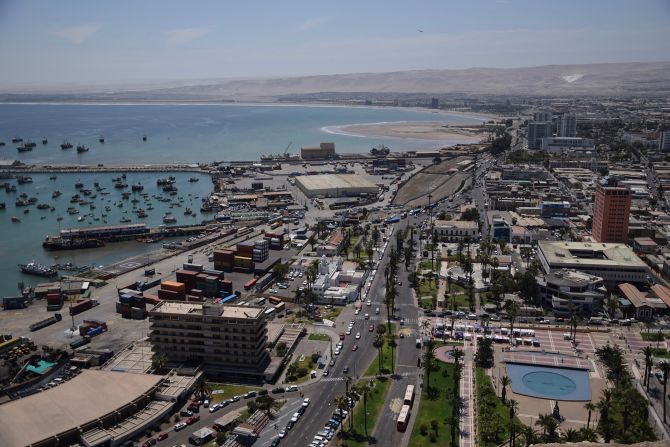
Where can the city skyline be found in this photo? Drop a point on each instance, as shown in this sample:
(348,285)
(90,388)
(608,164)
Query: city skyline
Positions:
(85,43)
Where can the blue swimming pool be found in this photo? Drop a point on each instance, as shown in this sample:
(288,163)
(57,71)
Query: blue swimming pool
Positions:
(550,383)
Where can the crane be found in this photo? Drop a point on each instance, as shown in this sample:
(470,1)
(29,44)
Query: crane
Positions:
(287,146)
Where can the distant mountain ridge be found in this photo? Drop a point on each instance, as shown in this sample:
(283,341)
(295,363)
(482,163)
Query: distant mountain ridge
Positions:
(624,79)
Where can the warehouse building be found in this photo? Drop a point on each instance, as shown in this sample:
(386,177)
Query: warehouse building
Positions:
(335,185)
(324,151)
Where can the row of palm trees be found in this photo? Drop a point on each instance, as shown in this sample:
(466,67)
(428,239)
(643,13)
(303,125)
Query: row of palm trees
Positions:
(361,389)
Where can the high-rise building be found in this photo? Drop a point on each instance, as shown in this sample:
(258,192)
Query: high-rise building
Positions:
(435,103)
(229,341)
(611,211)
(567,126)
(536,132)
(664,141)
(542,117)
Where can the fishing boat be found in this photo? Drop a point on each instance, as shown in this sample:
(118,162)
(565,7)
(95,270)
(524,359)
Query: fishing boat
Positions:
(45,141)
(125,220)
(24,179)
(43,206)
(169,219)
(55,194)
(16,219)
(137,187)
(188,212)
(80,219)
(79,185)
(17,140)
(101,139)
(2,143)
(142,214)
(193,179)
(2,205)
(24,148)
(52,177)
(59,218)
(33,268)
(81,148)
(66,145)
(144,138)
(120,185)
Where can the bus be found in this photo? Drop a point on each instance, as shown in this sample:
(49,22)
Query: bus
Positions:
(403,418)
(409,396)
(250,284)
(274,300)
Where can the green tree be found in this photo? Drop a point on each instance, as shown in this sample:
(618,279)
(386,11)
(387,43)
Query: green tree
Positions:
(648,352)
(513,410)
(378,343)
(158,362)
(512,310)
(428,361)
(265,403)
(589,406)
(484,355)
(504,383)
(202,388)
(280,270)
(664,366)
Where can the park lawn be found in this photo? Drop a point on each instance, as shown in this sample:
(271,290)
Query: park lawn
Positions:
(308,364)
(376,399)
(427,288)
(332,314)
(373,369)
(484,385)
(437,409)
(652,336)
(661,353)
(229,391)
(318,337)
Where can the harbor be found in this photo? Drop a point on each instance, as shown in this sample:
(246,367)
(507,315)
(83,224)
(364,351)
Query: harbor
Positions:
(82,201)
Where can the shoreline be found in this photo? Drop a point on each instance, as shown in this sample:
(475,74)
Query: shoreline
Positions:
(406,130)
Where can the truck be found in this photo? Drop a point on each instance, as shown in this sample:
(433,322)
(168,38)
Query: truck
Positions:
(82,306)
(80,342)
(393,219)
(46,322)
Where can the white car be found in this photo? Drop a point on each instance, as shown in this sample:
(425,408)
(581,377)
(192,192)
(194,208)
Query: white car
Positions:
(291,388)
(180,426)
(305,402)
(357,311)
(369,303)
(348,331)
(358,335)
(295,417)
(282,433)
(367,316)
(336,352)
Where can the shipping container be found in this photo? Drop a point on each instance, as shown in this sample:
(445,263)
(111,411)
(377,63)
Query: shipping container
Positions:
(192,267)
(80,307)
(173,286)
(44,323)
(54,307)
(249,284)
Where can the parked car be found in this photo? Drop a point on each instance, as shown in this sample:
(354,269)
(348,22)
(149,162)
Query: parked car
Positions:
(278,390)
(149,442)
(291,388)
(180,426)
(162,436)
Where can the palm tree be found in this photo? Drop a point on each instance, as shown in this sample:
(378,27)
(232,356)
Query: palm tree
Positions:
(378,343)
(390,340)
(588,434)
(571,435)
(513,409)
(664,366)
(512,310)
(347,384)
(158,361)
(428,361)
(202,388)
(648,352)
(504,383)
(589,406)
(549,426)
(604,405)
(364,389)
(529,435)
(341,403)
(425,324)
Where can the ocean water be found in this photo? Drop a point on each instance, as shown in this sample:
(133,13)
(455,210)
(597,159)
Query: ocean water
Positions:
(22,242)
(175,134)
(191,133)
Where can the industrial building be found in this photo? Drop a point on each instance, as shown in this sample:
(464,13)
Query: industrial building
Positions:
(324,151)
(94,408)
(335,185)
(229,341)
(614,263)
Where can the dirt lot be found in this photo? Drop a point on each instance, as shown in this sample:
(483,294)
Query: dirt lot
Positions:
(435,180)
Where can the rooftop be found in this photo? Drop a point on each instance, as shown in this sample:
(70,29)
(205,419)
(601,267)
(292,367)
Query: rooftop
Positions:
(185,308)
(589,253)
(462,224)
(332,181)
(82,399)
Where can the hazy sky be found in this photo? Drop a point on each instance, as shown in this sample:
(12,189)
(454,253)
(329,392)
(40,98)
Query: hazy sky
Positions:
(83,41)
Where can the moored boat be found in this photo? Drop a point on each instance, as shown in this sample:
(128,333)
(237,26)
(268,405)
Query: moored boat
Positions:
(33,268)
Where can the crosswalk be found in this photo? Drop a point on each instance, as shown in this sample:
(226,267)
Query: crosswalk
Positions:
(382,318)
(401,374)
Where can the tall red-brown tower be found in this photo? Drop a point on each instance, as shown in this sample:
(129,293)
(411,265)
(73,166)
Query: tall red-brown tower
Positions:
(610,211)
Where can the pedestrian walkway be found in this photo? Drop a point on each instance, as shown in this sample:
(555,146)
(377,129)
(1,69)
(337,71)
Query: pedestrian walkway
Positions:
(468,433)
